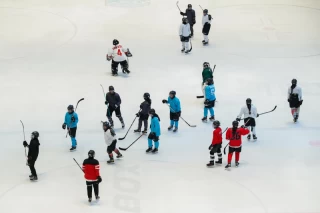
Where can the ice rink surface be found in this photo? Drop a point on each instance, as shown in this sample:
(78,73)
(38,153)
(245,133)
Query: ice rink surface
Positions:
(52,53)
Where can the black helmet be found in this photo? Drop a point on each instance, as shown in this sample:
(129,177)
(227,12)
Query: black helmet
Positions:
(205,11)
(235,124)
(70,107)
(189,5)
(111,88)
(35,134)
(210,81)
(206,65)
(152,112)
(91,154)
(172,93)
(106,123)
(146,95)
(184,20)
(216,123)
(115,42)
(294,81)
(248,101)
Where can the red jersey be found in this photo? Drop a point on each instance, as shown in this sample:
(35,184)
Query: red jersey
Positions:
(217,136)
(91,169)
(235,139)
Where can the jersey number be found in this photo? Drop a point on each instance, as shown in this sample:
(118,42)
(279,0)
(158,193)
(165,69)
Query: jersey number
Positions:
(212,91)
(119,52)
(235,137)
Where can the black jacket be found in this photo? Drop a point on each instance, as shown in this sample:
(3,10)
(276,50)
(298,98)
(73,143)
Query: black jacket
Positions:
(144,109)
(33,149)
(113,99)
(191,16)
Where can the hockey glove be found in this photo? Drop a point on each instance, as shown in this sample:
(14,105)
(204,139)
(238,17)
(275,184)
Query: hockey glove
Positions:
(99,179)
(179,114)
(257,115)
(181,13)
(152,135)
(73,119)
(64,126)
(25,144)
(206,102)
(109,58)
(106,103)
(210,147)
(128,53)
(238,119)
(301,102)
(164,101)
(288,100)
(137,115)
(242,126)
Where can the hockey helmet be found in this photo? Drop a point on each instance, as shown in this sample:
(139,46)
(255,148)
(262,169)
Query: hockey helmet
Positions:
(184,20)
(189,6)
(111,88)
(152,111)
(216,124)
(115,42)
(205,11)
(172,93)
(206,65)
(70,107)
(294,81)
(235,124)
(35,134)
(248,101)
(146,95)
(91,154)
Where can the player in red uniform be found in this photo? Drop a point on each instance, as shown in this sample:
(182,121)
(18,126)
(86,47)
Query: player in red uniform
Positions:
(91,169)
(215,146)
(234,135)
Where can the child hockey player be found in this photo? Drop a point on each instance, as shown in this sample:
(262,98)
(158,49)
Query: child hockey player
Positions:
(295,99)
(206,24)
(143,114)
(113,102)
(250,113)
(175,110)
(215,146)
(155,132)
(111,141)
(234,135)
(91,170)
(33,154)
(71,122)
(191,16)
(118,54)
(210,98)
(185,35)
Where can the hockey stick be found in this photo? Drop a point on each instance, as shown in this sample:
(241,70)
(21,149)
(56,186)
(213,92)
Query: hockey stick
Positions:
(78,165)
(24,136)
(224,150)
(190,45)
(182,117)
(202,96)
(178,6)
(275,107)
(124,149)
(128,129)
(200,7)
(74,110)
(104,94)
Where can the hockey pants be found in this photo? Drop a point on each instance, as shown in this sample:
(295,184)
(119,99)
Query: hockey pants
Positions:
(145,122)
(32,169)
(217,150)
(205,111)
(95,186)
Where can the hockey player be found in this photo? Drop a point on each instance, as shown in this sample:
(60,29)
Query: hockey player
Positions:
(250,113)
(210,98)
(113,102)
(234,136)
(91,170)
(111,141)
(206,25)
(191,16)
(215,146)
(143,114)
(118,54)
(185,34)
(33,154)
(295,99)
(71,122)
(175,110)
(155,132)
(206,72)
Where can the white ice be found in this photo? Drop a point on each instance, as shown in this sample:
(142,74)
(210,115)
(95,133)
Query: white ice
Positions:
(52,53)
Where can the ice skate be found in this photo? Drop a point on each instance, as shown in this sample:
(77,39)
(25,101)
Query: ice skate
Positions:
(120,155)
(187,51)
(205,43)
(249,137)
(33,178)
(114,74)
(127,71)
(237,163)
(144,131)
(110,161)
(90,199)
(254,137)
(97,197)
(228,166)
(211,118)
(175,129)
(155,150)
(219,161)
(170,128)
(182,50)
(204,119)
(211,163)
(149,149)
(295,119)
(73,148)
(122,125)
(137,131)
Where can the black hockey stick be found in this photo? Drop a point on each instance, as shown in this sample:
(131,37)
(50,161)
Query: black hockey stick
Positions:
(224,150)
(182,117)
(200,7)
(128,129)
(202,96)
(124,149)
(275,107)
(78,164)
(190,45)
(75,110)
(178,6)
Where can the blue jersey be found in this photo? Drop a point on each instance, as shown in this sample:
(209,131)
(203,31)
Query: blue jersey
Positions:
(210,92)
(174,104)
(155,125)
(67,120)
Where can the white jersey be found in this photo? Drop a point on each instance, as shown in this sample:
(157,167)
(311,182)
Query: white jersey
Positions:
(245,111)
(109,136)
(205,19)
(118,53)
(184,30)
(297,90)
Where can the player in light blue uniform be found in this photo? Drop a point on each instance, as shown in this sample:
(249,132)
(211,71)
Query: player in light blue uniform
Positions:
(175,110)
(210,98)
(155,131)
(71,122)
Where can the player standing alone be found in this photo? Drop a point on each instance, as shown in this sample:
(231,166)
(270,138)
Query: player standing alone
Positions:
(175,110)
(295,99)
(234,136)
(215,146)
(118,54)
(71,122)
(91,169)
(185,35)
(33,153)
(206,24)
